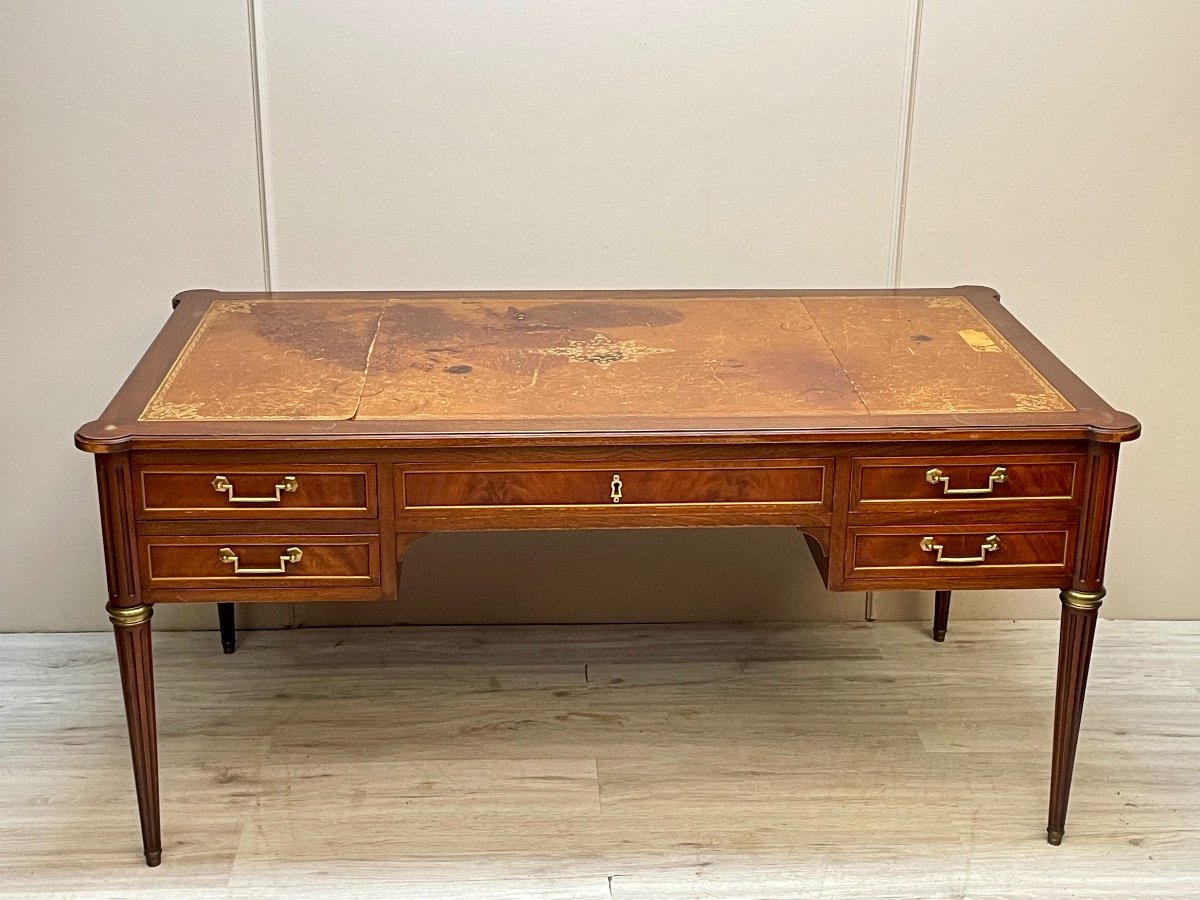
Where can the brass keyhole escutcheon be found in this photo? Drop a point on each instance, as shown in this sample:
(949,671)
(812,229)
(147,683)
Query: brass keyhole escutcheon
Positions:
(615,489)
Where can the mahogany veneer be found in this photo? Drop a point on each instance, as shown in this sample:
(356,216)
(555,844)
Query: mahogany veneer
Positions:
(255,492)
(290,447)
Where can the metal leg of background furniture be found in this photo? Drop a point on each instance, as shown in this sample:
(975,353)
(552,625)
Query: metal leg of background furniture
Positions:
(941,614)
(1076,633)
(225,616)
(131,625)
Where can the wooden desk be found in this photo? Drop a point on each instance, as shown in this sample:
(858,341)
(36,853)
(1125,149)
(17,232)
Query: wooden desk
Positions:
(290,447)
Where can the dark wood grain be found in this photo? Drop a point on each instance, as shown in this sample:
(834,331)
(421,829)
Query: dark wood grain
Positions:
(1077,632)
(706,483)
(1080,610)
(892,557)
(903,483)
(402,414)
(137,683)
(194,562)
(318,491)
(131,626)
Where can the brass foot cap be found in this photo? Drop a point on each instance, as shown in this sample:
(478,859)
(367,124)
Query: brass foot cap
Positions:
(939,636)
(153,857)
(1054,837)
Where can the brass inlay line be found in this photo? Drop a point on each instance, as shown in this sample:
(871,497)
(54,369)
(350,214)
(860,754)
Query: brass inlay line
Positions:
(1059,563)
(665,504)
(156,408)
(603,352)
(160,409)
(1050,400)
(618,486)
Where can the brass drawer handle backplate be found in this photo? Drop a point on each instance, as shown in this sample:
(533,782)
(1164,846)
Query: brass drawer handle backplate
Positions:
(290,555)
(289,485)
(999,474)
(990,544)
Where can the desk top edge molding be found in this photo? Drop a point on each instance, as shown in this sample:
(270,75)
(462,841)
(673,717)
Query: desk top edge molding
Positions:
(120,429)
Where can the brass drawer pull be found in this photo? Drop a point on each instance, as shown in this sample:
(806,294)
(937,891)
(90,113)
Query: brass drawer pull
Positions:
(290,555)
(615,489)
(289,485)
(990,544)
(933,476)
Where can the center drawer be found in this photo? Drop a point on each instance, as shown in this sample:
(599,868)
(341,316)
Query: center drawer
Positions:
(752,482)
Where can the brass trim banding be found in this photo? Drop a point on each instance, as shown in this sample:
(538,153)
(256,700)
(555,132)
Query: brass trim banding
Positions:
(128,616)
(1087,600)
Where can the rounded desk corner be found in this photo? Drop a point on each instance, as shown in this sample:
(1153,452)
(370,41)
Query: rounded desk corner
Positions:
(1120,428)
(980,291)
(101,437)
(194,293)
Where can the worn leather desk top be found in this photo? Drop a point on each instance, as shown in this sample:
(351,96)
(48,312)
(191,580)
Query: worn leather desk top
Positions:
(562,363)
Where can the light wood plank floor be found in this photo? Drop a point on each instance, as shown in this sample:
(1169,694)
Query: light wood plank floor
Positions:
(606,762)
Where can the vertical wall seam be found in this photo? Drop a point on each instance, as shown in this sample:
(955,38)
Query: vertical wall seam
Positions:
(908,103)
(262,158)
(261,154)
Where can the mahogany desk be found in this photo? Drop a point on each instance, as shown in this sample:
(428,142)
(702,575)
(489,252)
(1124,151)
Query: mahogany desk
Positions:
(290,447)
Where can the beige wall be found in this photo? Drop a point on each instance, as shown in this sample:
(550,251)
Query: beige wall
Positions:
(126,171)
(618,143)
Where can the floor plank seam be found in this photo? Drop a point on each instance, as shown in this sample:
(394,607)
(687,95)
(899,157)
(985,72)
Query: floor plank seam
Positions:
(699,761)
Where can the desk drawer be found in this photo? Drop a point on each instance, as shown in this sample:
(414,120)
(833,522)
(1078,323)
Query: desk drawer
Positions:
(966,481)
(760,482)
(261,492)
(206,562)
(930,554)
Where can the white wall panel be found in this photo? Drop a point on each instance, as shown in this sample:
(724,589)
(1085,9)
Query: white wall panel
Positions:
(475,144)
(127,174)
(586,144)
(1054,157)
(620,143)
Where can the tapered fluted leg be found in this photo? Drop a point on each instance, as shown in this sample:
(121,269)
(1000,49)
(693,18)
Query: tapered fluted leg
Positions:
(132,628)
(225,617)
(1076,633)
(941,614)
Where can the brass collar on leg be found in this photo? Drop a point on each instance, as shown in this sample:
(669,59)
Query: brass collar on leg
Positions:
(128,616)
(1087,600)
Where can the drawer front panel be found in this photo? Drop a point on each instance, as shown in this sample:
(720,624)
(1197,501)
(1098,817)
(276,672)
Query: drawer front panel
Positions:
(260,492)
(965,482)
(960,551)
(768,482)
(260,561)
